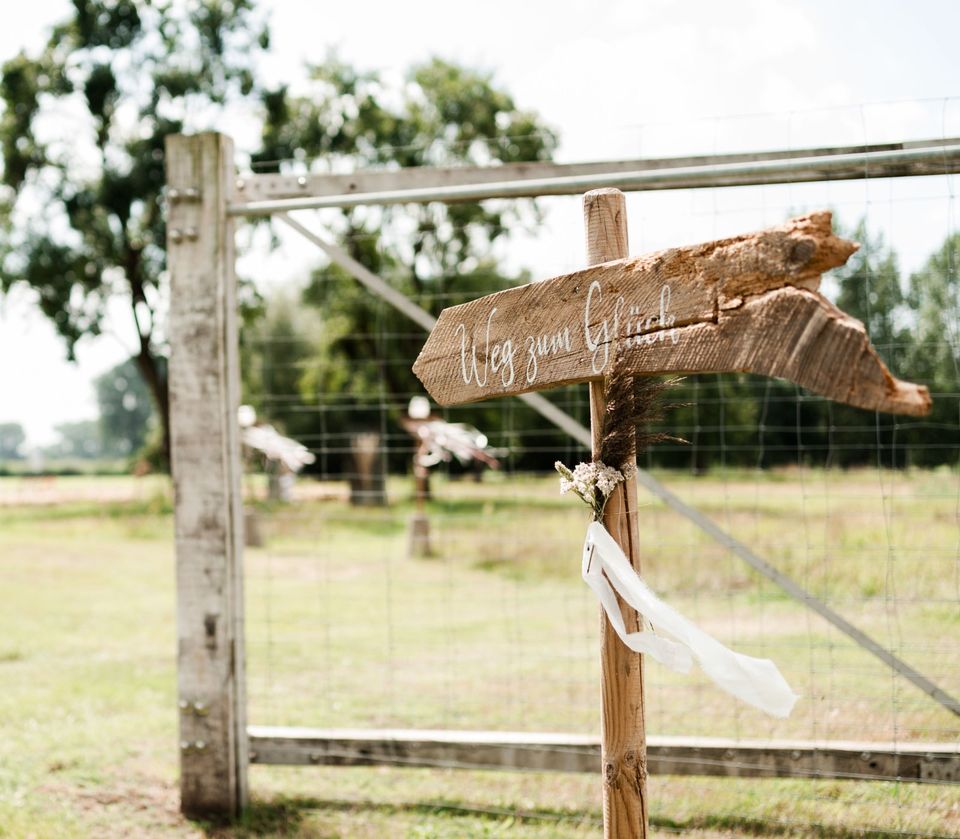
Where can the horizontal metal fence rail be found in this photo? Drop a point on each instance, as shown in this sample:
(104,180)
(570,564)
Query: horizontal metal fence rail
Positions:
(265,186)
(424,185)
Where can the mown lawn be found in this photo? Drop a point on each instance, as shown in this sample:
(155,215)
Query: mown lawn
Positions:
(494,631)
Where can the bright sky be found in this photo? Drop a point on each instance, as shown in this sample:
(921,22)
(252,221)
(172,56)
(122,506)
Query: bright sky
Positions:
(620,78)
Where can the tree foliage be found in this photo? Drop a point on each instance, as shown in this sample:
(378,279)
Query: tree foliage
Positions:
(437,255)
(80,439)
(126,409)
(742,420)
(443,115)
(934,298)
(12,438)
(82,136)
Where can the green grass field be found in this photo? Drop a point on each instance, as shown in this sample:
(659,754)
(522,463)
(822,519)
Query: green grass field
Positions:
(495,631)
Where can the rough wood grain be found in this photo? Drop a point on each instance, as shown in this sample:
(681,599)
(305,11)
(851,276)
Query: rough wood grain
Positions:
(204,396)
(563,330)
(622,733)
(792,334)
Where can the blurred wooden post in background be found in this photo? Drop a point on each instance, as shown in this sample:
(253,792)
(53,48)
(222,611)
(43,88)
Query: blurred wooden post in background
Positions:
(623,738)
(204,398)
(368,479)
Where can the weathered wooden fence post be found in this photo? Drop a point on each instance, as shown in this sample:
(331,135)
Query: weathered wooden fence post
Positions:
(623,738)
(368,480)
(206,465)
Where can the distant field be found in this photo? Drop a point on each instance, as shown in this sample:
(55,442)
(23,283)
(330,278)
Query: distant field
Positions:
(495,631)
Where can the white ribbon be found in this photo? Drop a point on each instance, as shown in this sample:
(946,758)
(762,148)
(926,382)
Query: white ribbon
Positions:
(606,569)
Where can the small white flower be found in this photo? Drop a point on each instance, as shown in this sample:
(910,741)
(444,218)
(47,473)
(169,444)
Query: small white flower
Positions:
(593,482)
(583,471)
(607,479)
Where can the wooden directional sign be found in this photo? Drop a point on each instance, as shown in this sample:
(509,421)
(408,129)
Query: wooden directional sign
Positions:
(745,304)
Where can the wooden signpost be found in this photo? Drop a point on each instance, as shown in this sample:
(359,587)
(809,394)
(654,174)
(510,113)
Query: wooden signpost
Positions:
(746,304)
(749,303)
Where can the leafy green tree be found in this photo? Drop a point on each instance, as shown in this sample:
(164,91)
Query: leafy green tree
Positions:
(870,289)
(366,349)
(934,297)
(755,421)
(80,439)
(276,347)
(790,426)
(435,254)
(82,137)
(933,356)
(445,115)
(12,439)
(126,409)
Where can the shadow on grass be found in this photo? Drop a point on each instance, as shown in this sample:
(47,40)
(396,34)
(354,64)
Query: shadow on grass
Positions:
(745,826)
(290,817)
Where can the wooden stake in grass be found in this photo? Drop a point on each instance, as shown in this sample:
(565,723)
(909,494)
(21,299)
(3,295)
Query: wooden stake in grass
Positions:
(748,303)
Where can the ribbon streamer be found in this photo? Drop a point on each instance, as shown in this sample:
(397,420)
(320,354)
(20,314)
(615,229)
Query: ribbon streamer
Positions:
(606,569)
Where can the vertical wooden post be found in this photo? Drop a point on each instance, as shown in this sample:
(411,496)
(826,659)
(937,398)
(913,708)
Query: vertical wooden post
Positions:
(623,738)
(418,544)
(204,397)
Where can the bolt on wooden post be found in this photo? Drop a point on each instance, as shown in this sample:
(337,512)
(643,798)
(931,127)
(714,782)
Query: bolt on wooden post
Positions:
(206,467)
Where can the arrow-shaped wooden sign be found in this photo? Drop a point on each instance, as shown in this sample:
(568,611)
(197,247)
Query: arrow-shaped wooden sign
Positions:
(745,304)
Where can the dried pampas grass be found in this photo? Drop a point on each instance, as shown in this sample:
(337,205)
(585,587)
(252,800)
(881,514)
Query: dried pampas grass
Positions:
(633,404)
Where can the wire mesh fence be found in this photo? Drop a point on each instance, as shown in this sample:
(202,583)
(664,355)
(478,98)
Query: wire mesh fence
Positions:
(491,628)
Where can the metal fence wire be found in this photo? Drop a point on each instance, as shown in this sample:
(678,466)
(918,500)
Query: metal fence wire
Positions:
(492,630)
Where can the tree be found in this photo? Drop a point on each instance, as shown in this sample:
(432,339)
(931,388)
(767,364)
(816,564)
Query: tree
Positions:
(760,422)
(12,439)
(933,355)
(934,296)
(443,115)
(275,347)
(80,439)
(869,289)
(82,137)
(125,406)
(435,254)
